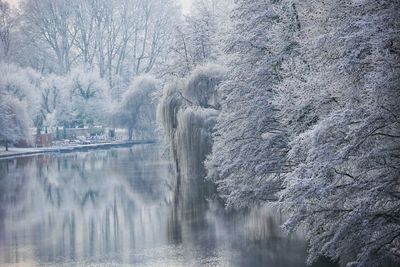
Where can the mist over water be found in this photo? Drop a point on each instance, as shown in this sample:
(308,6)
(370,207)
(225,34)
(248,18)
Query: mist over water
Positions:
(123,207)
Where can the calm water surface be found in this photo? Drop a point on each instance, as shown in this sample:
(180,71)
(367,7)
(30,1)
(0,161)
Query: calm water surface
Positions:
(123,207)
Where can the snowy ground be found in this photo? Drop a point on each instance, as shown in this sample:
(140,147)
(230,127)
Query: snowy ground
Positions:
(20,152)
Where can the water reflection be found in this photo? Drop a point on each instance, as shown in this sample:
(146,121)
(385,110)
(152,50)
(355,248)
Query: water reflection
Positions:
(122,207)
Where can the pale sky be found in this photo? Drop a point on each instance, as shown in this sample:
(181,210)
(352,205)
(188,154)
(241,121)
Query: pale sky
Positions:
(185,4)
(15,2)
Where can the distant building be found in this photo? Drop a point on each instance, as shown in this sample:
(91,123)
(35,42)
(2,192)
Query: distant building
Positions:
(44,140)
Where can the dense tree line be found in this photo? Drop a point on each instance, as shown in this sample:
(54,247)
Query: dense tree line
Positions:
(81,56)
(310,117)
(309,121)
(119,38)
(85,58)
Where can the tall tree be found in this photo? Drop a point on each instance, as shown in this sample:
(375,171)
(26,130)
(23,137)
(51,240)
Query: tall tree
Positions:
(17,96)
(187,111)
(7,23)
(14,120)
(250,144)
(197,37)
(52,22)
(343,113)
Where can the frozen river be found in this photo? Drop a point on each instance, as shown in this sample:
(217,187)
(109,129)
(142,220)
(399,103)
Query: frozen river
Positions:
(123,207)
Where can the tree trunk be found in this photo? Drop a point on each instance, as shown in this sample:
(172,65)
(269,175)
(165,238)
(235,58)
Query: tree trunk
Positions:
(65,132)
(130,134)
(6,145)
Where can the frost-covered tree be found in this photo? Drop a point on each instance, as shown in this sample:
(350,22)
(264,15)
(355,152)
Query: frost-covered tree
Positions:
(343,114)
(22,84)
(197,37)
(130,36)
(14,120)
(51,90)
(7,25)
(202,28)
(250,143)
(85,99)
(18,82)
(136,112)
(50,96)
(50,23)
(187,112)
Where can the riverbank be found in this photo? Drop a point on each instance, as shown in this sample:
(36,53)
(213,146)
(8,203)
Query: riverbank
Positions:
(14,152)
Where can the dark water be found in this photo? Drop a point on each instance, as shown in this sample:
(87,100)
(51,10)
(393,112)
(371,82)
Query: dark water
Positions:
(123,207)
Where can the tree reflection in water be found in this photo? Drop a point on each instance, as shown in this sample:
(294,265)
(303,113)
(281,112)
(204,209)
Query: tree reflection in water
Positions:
(123,206)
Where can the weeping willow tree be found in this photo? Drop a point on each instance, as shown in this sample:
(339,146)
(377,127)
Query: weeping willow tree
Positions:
(187,112)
